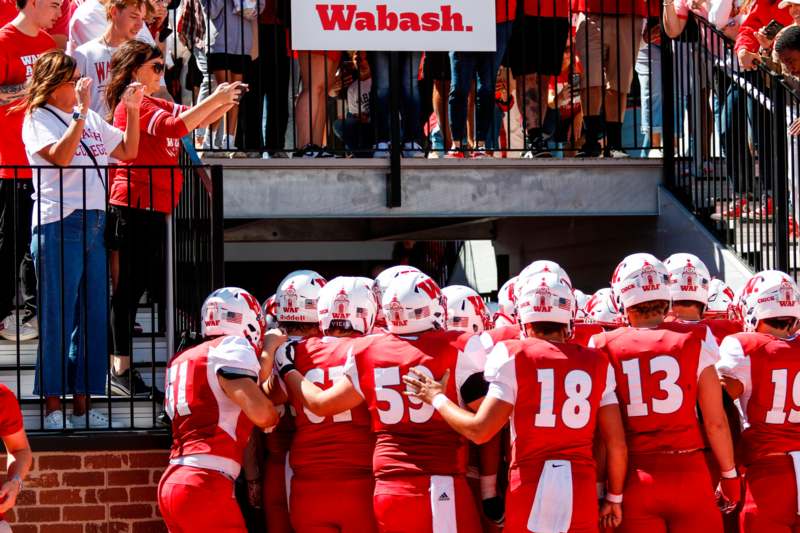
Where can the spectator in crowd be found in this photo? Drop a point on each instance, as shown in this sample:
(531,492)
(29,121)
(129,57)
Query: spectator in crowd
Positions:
(21,42)
(233,43)
(747,43)
(141,198)
(317,69)
(787,51)
(58,30)
(269,81)
(436,67)
(410,120)
(728,15)
(607,42)
(125,21)
(354,81)
(61,130)
(18,453)
(536,52)
(648,69)
(90,21)
(465,66)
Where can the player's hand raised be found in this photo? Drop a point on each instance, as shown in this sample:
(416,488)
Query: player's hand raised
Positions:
(423,387)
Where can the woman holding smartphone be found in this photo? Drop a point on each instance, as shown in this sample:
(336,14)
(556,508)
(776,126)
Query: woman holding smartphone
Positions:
(142,197)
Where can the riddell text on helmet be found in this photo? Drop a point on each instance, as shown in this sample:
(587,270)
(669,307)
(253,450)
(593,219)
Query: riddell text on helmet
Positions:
(346,17)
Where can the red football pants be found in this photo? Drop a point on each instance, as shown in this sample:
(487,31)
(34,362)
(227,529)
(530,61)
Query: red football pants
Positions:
(194,499)
(403,505)
(669,493)
(770,504)
(519,502)
(276,506)
(332,506)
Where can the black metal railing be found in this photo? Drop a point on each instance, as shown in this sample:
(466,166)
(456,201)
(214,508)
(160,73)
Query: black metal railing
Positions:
(393,105)
(732,152)
(86,260)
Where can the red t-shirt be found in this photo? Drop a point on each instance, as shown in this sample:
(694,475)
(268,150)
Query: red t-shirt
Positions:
(159,143)
(657,372)
(412,439)
(769,370)
(556,390)
(505,10)
(762,12)
(546,8)
(337,447)
(610,7)
(8,11)
(18,52)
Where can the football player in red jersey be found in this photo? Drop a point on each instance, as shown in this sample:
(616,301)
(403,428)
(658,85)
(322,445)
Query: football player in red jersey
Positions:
(214,400)
(379,286)
(556,395)
(761,368)
(419,462)
(467,312)
(331,457)
(663,370)
(689,288)
(296,313)
(18,453)
(505,315)
(720,301)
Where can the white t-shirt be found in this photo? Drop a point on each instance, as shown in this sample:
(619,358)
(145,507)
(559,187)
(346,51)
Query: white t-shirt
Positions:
(89,22)
(41,129)
(94,61)
(358,97)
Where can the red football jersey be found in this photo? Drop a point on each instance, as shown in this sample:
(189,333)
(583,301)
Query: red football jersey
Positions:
(412,438)
(556,390)
(719,327)
(769,370)
(337,447)
(657,372)
(583,333)
(506,333)
(11,420)
(204,420)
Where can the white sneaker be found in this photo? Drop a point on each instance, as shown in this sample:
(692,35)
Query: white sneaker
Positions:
(23,327)
(97,420)
(55,420)
(381,151)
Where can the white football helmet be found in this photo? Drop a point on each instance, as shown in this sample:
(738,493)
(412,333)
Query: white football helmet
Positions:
(466,310)
(720,300)
(601,308)
(382,282)
(507,306)
(413,303)
(640,278)
(271,312)
(769,294)
(297,296)
(546,297)
(347,303)
(233,311)
(580,302)
(542,265)
(688,278)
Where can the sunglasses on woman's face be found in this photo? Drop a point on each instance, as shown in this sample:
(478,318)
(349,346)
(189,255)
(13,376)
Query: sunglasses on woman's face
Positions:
(158,67)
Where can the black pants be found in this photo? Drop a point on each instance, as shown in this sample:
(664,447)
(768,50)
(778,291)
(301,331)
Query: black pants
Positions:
(268,77)
(140,238)
(17,274)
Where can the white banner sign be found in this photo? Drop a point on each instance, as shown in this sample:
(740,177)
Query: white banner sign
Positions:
(410,25)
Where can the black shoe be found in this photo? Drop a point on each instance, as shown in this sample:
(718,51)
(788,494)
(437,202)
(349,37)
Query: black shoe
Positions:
(589,150)
(538,149)
(130,383)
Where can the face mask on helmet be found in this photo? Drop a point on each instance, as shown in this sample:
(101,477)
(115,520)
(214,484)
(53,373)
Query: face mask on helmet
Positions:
(769,294)
(347,303)
(382,281)
(546,297)
(601,308)
(466,310)
(270,308)
(233,311)
(413,303)
(689,278)
(297,297)
(640,278)
(720,300)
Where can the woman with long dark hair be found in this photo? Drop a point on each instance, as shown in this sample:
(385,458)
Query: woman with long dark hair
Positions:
(70,144)
(142,197)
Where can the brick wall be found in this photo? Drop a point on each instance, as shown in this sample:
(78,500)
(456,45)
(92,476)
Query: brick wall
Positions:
(90,492)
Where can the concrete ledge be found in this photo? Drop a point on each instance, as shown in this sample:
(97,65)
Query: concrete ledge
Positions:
(354,188)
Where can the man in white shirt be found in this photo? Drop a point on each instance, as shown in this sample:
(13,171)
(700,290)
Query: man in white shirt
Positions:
(125,22)
(90,20)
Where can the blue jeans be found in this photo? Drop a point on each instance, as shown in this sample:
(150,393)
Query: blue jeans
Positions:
(464,66)
(73,304)
(410,119)
(648,69)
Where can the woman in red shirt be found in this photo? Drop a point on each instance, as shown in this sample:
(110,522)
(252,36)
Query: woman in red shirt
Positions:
(142,197)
